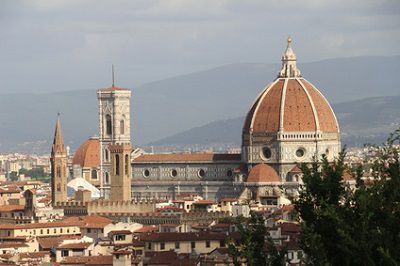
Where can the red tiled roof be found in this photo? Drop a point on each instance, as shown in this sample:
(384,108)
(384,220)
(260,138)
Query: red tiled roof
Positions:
(32,255)
(48,243)
(203,202)
(146,229)
(36,225)
(89,221)
(13,245)
(11,208)
(296,169)
(120,232)
(195,157)
(263,173)
(156,237)
(82,245)
(88,260)
(229,200)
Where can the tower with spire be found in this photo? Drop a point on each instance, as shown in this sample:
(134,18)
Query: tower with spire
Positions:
(114,131)
(58,161)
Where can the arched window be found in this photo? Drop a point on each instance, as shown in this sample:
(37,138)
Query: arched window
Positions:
(126,164)
(106,178)
(122,127)
(108,125)
(116,164)
(94,174)
(58,171)
(106,155)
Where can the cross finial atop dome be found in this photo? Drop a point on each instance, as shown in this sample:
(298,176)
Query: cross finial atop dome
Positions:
(289,68)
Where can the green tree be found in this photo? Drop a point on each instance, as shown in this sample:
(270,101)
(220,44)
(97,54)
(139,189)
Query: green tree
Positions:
(253,243)
(345,226)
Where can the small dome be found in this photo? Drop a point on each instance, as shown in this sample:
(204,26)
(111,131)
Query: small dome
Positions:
(263,173)
(88,154)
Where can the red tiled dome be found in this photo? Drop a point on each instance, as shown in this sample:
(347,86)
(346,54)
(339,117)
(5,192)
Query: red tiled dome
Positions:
(296,107)
(88,154)
(290,104)
(263,173)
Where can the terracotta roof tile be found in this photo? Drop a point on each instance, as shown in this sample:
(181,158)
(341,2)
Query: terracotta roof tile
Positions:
(88,260)
(157,237)
(11,208)
(82,245)
(263,173)
(88,154)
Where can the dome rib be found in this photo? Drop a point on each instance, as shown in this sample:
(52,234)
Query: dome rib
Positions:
(316,119)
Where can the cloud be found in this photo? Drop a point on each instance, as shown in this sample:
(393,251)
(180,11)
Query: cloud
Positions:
(158,38)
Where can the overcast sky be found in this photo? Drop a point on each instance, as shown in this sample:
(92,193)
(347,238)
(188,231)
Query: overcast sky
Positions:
(57,45)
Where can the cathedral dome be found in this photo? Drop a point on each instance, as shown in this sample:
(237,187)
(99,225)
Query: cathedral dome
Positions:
(88,154)
(263,173)
(290,104)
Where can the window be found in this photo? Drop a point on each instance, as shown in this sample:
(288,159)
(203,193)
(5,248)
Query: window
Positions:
(106,179)
(162,245)
(58,171)
(108,125)
(300,152)
(120,237)
(106,155)
(41,231)
(290,255)
(146,173)
(126,164)
(116,164)
(193,245)
(64,253)
(201,173)
(55,230)
(94,174)
(89,231)
(222,243)
(122,127)
(48,231)
(229,173)
(266,152)
(61,230)
(174,173)
(149,245)
(177,245)
(207,244)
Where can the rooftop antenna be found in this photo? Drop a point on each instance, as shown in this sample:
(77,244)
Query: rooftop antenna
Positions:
(113,75)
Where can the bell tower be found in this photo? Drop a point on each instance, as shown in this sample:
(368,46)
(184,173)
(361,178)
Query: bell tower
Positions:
(114,128)
(58,161)
(121,172)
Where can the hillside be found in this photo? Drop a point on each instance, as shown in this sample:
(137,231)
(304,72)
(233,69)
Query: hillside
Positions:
(362,121)
(170,106)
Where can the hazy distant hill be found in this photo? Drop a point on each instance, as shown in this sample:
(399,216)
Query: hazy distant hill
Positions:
(170,106)
(362,121)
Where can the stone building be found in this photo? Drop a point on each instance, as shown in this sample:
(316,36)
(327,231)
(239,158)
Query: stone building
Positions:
(114,128)
(290,122)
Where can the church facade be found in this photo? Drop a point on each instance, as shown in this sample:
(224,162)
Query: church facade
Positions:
(290,122)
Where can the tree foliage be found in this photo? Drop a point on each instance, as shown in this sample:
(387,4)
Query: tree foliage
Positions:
(254,241)
(352,226)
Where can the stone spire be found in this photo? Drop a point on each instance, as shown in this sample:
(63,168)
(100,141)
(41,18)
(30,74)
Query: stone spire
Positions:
(289,68)
(58,142)
(59,162)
